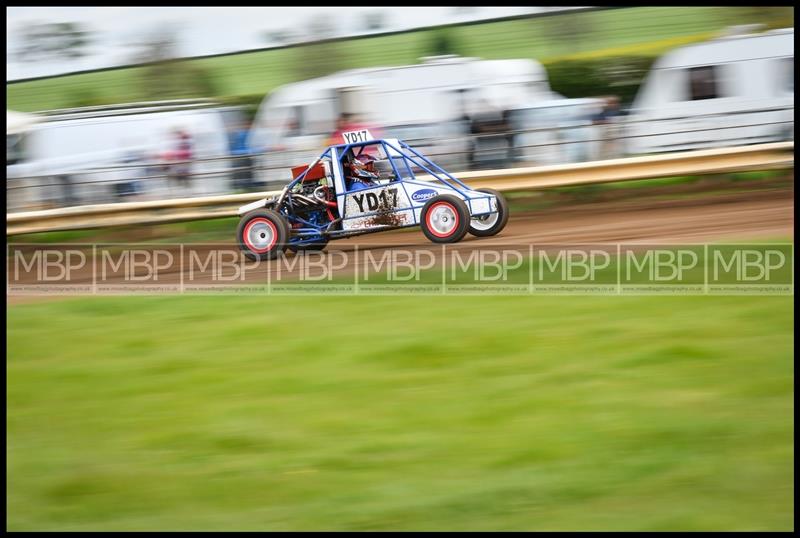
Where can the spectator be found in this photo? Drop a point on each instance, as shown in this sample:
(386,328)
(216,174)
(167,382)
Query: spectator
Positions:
(243,163)
(488,130)
(130,185)
(67,190)
(605,121)
(294,127)
(465,128)
(475,129)
(180,155)
(506,127)
(348,122)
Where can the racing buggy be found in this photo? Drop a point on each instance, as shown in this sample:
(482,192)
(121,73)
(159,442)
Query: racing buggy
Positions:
(364,186)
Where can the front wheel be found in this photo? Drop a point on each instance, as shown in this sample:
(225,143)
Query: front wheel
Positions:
(262,234)
(493,223)
(444,219)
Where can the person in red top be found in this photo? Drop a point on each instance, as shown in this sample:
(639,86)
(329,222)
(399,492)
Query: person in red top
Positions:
(180,154)
(358,168)
(346,123)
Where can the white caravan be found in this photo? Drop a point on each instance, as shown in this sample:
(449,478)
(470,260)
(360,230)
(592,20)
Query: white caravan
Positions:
(733,90)
(294,121)
(557,132)
(80,153)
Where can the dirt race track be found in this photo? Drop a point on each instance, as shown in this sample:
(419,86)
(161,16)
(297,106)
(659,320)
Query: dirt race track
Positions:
(753,215)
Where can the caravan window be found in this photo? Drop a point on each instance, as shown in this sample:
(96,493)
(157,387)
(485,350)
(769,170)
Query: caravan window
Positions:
(703,82)
(310,119)
(786,74)
(295,121)
(320,118)
(14,148)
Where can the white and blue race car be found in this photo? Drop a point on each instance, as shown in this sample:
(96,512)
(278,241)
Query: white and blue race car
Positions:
(365,186)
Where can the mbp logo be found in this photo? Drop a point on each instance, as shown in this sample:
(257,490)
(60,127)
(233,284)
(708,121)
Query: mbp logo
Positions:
(216,265)
(747,265)
(134,265)
(484,265)
(129,268)
(660,265)
(574,266)
(47,265)
(396,265)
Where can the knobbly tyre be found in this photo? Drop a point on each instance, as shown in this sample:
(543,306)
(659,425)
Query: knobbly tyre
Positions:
(365,186)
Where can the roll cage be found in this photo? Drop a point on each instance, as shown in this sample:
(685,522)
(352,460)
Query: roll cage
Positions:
(394,150)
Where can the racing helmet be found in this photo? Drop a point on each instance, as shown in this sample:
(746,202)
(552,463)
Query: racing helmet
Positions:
(360,169)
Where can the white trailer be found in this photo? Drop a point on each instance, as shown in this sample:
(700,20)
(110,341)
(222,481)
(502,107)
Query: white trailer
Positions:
(65,148)
(293,122)
(737,89)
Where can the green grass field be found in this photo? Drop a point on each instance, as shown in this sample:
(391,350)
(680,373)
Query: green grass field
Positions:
(641,30)
(508,413)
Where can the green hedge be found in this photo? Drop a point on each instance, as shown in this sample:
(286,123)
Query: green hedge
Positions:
(620,76)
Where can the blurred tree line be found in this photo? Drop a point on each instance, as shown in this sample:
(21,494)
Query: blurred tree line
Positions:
(318,59)
(441,42)
(164,75)
(53,41)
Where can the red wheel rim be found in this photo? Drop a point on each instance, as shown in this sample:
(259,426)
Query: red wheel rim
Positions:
(437,209)
(250,230)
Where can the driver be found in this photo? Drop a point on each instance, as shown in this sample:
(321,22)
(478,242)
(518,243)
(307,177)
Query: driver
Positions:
(359,176)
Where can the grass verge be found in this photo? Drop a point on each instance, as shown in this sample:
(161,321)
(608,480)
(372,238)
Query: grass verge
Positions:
(505,413)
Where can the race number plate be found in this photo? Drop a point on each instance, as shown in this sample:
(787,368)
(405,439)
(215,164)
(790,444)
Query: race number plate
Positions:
(384,206)
(354,137)
(380,199)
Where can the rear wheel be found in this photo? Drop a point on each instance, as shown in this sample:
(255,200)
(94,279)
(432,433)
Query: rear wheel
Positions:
(445,219)
(493,223)
(262,234)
